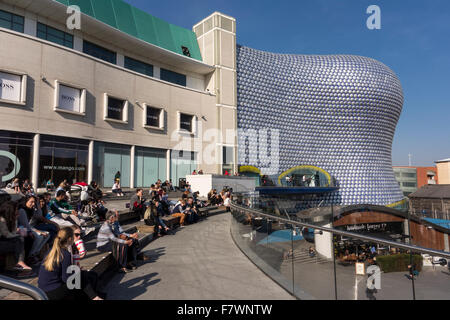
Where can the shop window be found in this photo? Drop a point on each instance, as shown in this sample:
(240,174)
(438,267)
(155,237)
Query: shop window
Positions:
(13,87)
(109,160)
(187,123)
(15,156)
(173,77)
(139,66)
(69,98)
(116,109)
(62,158)
(54,35)
(99,52)
(11,21)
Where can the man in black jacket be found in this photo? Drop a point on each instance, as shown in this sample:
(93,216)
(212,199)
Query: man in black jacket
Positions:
(137,203)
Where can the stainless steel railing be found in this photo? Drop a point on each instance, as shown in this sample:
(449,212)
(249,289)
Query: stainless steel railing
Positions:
(22,287)
(344,233)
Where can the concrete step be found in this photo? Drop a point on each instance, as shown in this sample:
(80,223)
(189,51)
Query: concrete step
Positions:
(101,262)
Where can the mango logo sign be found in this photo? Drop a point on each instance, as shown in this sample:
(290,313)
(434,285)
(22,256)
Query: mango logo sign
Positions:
(16,168)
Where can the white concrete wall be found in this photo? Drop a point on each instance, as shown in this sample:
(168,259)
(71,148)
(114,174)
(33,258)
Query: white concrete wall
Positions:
(205,182)
(323,243)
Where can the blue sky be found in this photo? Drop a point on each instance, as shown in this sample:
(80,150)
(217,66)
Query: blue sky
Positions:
(414,41)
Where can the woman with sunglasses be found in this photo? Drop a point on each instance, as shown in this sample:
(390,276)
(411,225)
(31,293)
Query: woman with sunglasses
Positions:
(88,278)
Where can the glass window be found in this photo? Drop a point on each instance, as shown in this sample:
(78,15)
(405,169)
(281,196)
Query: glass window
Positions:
(54,35)
(409,184)
(99,52)
(109,160)
(115,109)
(173,77)
(62,158)
(150,165)
(182,163)
(227,159)
(186,122)
(139,66)
(408,175)
(11,21)
(15,156)
(153,117)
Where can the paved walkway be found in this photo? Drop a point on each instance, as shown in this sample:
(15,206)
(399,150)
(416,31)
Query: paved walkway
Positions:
(199,262)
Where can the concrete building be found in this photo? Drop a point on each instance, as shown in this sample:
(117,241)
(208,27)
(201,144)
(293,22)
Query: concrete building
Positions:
(126,92)
(443,168)
(431,200)
(410,178)
(320,120)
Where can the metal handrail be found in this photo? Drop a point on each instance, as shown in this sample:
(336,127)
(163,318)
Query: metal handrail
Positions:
(22,287)
(346,233)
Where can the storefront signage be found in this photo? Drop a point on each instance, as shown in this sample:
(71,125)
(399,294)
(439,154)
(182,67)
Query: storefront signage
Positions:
(360,269)
(10,87)
(367,227)
(15,171)
(69,98)
(64,168)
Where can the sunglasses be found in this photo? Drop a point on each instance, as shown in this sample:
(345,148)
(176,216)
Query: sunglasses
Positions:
(77,234)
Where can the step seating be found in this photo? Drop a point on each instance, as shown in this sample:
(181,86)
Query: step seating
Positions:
(100,262)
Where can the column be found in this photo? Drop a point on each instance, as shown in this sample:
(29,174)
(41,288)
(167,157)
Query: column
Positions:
(35,165)
(30,25)
(91,162)
(120,60)
(168,164)
(132,161)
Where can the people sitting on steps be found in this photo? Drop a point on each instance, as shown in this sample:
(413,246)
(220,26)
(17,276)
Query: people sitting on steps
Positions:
(62,209)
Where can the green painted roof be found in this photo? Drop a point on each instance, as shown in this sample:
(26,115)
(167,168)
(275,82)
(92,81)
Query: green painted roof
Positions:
(139,24)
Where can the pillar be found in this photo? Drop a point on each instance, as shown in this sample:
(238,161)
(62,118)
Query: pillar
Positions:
(91,162)
(132,161)
(168,164)
(35,165)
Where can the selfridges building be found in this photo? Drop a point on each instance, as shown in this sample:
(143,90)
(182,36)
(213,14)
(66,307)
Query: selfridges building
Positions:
(334,115)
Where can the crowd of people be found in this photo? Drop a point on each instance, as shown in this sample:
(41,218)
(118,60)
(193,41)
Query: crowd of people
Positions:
(47,231)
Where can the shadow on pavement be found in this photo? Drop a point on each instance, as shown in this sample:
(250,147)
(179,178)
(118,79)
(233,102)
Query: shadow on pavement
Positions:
(133,287)
(153,254)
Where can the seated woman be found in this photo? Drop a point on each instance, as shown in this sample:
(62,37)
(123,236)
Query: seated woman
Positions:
(116,189)
(78,250)
(54,273)
(107,241)
(38,238)
(10,240)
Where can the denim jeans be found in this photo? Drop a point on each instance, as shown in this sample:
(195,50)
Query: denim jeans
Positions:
(52,230)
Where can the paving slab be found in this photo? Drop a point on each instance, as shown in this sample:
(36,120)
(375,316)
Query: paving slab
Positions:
(200,262)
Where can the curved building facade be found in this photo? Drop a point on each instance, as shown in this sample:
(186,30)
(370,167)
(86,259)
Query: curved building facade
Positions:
(335,112)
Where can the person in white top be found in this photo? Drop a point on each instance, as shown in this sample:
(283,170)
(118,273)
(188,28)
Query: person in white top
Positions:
(117,189)
(227,202)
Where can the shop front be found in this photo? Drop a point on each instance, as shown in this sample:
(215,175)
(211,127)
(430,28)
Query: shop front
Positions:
(15,156)
(182,163)
(150,165)
(110,160)
(62,158)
